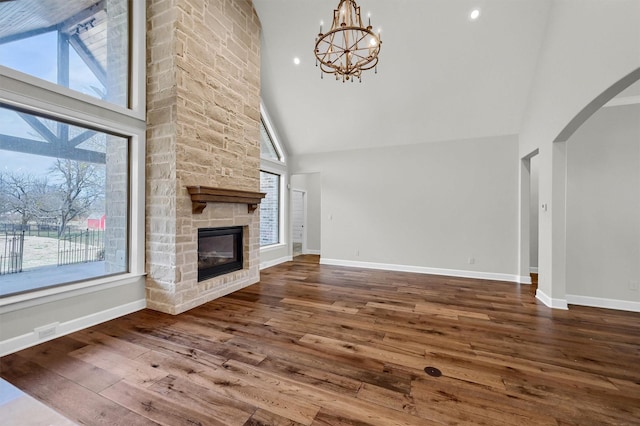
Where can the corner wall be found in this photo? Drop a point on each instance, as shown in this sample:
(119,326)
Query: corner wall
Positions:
(589,45)
(603,210)
(432,207)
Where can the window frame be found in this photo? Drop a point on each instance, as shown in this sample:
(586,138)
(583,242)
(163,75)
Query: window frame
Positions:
(275,140)
(279,168)
(280,215)
(137,73)
(24,92)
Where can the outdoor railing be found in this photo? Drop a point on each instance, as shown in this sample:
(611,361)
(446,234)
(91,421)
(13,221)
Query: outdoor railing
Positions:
(12,254)
(81,247)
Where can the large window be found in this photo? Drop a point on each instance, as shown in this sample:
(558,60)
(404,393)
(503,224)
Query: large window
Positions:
(272,178)
(270,209)
(71,142)
(268,148)
(77,44)
(63,202)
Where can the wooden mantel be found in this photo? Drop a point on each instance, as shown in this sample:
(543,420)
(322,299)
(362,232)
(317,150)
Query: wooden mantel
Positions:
(201,195)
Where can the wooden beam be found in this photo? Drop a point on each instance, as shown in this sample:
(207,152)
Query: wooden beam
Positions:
(201,195)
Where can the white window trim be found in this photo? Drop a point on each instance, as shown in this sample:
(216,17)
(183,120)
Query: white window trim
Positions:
(13,81)
(279,168)
(20,90)
(274,137)
(284,200)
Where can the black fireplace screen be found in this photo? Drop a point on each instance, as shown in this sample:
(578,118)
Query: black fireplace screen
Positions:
(219,251)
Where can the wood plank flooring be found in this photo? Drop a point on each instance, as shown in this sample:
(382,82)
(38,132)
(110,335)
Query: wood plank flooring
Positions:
(322,345)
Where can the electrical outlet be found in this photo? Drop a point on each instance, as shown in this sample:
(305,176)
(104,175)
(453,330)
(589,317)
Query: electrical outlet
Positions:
(357,252)
(633,285)
(471,260)
(46,331)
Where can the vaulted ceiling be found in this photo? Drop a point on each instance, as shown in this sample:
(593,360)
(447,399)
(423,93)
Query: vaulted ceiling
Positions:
(441,75)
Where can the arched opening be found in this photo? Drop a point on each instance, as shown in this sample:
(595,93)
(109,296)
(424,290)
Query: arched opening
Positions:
(598,178)
(593,106)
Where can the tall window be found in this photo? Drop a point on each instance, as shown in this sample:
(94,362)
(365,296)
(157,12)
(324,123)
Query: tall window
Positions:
(67,186)
(270,209)
(271,183)
(268,148)
(76,44)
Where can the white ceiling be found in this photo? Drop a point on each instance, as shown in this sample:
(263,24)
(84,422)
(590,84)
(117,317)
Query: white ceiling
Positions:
(440,77)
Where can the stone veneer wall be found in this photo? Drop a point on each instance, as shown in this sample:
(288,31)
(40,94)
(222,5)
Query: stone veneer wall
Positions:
(203,114)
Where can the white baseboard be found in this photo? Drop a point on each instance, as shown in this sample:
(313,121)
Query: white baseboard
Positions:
(423,270)
(31,339)
(524,280)
(270,263)
(601,302)
(309,251)
(533,270)
(550,302)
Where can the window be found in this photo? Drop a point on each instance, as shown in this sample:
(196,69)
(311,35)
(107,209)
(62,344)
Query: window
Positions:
(267,147)
(71,143)
(76,44)
(270,209)
(272,178)
(55,209)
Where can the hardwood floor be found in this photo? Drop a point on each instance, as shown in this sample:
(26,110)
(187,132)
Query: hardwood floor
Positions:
(307,258)
(323,345)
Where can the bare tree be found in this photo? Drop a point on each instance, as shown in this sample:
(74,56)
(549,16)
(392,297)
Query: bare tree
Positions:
(80,185)
(23,195)
(4,200)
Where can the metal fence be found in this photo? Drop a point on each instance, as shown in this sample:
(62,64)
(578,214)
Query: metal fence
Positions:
(31,229)
(81,247)
(11,256)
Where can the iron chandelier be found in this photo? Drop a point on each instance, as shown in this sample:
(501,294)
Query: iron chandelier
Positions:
(349,47)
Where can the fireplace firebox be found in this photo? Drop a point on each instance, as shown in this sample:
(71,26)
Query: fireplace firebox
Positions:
(219,251)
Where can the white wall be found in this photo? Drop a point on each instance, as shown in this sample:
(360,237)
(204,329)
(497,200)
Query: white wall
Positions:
(603,205)
(431,205)
(589,45)
(78,307)
(311,183)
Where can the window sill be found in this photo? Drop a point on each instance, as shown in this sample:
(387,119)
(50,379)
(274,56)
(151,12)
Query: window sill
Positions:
(39,297)
(272,247)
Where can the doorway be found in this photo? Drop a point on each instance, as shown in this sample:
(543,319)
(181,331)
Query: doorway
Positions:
(298,219)
(534,210)
(529,219)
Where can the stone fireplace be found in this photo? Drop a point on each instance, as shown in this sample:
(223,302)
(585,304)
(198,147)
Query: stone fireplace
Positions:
(203,114)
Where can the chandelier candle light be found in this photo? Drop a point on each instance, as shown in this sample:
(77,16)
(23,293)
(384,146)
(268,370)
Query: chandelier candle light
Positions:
(349,47)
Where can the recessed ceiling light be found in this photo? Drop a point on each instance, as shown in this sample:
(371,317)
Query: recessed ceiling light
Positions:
(296,60)
(475,14)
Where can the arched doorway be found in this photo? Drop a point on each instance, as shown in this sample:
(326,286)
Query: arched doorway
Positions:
(568,256)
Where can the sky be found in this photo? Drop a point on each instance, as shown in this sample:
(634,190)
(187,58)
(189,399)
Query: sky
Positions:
(37,56)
